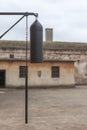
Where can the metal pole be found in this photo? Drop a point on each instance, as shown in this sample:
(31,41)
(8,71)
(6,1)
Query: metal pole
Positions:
(19,13)
(26,76)
(26,68)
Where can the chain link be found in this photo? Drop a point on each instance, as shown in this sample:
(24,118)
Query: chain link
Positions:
(26,76)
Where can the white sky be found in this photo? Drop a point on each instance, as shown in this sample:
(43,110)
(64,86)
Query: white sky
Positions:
(68,18)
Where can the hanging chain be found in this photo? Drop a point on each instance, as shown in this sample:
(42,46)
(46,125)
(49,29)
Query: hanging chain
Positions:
(26,36)
(26,75)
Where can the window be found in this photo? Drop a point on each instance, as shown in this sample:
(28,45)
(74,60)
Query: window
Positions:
(11,55)
(55,71)
(22,71)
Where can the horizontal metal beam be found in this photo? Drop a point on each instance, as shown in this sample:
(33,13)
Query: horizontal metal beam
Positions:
(19,13)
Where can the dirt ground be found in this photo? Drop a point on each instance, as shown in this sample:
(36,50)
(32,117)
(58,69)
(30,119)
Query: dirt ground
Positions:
(49,109)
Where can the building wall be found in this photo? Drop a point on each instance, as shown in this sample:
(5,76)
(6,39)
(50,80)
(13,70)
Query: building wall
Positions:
(80,65)
(39,75)
(81,72)
(79,56)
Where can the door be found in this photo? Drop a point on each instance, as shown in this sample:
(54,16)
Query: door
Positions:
(2,78)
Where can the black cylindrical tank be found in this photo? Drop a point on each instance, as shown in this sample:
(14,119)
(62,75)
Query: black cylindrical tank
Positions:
(36,42)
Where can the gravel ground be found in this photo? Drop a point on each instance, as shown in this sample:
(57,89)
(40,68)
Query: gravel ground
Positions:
(49,109)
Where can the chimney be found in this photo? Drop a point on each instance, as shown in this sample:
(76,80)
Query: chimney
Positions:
(49,34)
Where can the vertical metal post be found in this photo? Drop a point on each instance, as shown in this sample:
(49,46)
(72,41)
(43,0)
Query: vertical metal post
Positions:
(26,68)
(26,75)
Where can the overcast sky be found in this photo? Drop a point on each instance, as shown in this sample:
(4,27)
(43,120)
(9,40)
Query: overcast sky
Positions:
(68,18)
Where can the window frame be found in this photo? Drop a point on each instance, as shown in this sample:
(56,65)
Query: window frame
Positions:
(55,71)
(22,71)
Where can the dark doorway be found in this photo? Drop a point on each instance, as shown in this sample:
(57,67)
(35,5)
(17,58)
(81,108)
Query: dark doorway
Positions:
(2,78)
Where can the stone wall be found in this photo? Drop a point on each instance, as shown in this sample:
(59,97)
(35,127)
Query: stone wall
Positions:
(47,54)
(65,55)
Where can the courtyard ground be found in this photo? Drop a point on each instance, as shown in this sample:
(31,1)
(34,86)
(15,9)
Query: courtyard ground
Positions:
(49,109)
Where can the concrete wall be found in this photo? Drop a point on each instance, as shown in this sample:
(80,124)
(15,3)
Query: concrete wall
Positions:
(81,72)
(44,80)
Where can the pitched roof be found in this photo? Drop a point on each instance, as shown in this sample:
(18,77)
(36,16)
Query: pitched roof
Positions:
(5,44)
(65,46)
